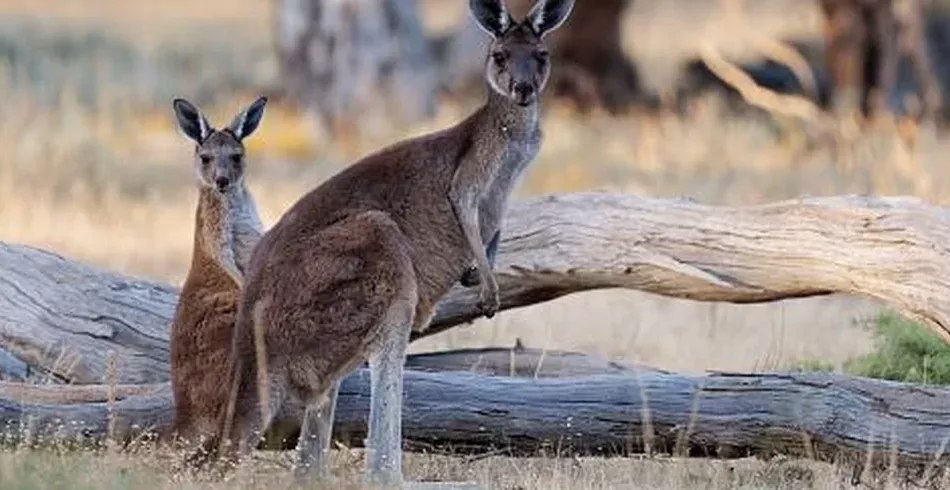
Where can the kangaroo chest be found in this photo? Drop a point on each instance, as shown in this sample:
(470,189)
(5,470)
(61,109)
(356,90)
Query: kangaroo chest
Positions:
(517,155)
(244,229)
(519,152)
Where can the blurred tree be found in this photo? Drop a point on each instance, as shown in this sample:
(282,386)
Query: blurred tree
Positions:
(589,65)
(865,41)
(366,65)
(360,65)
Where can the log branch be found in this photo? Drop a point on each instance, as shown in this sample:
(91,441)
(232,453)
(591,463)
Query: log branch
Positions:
(825,416)
(894,249)
(62,318)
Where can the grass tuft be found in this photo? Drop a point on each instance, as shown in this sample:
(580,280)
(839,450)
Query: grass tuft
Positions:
(904,350)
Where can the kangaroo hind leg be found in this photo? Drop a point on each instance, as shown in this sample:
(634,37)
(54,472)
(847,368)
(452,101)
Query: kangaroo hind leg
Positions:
(316,434)
(384,444)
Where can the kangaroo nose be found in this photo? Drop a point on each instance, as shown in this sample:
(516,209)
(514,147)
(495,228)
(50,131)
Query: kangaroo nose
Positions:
(523,91)
(222,182)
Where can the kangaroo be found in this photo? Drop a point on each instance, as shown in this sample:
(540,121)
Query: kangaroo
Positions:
(360,261)
(227,228)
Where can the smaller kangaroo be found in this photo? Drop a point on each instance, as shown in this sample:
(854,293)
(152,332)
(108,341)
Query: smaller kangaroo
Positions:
(227,228)
(359,262)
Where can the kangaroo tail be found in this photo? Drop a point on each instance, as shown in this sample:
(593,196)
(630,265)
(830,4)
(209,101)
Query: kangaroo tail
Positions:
(227,417)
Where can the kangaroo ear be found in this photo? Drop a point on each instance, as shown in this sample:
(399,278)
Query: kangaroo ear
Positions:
(547,15)
(491,15)
(191,121)
(247,120)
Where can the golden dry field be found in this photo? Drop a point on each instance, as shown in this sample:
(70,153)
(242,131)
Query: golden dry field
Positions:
(92,167)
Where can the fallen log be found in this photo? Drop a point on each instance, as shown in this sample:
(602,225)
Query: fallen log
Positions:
(818,415)
(63,319)
(68,394)
(517,361)
(494,361)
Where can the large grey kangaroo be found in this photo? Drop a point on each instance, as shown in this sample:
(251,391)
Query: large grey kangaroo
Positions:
(359,262)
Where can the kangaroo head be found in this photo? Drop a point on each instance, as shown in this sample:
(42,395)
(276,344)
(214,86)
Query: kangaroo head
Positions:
(518,64)
(219,154)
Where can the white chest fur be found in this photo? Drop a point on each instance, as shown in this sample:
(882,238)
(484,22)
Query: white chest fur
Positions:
(244,226)
(520,151)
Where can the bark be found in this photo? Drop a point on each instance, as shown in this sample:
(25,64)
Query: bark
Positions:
(824,416)
(359,64)
(518,361)
(62,319)
(69,394)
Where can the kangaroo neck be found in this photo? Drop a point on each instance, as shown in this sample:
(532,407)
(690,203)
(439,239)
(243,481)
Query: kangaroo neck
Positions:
(215,210)
(221,202)
(512,119)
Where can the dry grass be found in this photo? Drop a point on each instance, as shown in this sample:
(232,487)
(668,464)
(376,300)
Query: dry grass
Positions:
(93,169)
(52,471)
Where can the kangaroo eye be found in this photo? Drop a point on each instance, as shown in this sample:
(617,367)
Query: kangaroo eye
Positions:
(205,159)
(236,158)
(542,56)
(499,57)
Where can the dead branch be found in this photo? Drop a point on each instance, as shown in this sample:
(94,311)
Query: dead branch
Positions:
(825,416)
(782,104)
(61,317)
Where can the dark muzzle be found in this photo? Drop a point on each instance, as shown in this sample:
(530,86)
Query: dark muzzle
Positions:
(523,93)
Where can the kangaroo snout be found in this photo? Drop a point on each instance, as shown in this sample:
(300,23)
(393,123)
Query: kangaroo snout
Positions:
(222,183)
(523,93)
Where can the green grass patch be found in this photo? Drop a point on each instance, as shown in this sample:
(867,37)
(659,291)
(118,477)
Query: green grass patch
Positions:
(904,351)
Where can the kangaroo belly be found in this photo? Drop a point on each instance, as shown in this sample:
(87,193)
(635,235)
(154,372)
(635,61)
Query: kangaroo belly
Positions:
(200,345)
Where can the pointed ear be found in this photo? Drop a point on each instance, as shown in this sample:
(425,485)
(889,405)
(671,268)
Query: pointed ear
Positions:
(491,15)
(247,121)
(547,15)
(191,121)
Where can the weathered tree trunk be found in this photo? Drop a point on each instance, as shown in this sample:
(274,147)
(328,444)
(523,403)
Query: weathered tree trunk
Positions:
(359,64)
(589,65)
(825,416)
(64,318)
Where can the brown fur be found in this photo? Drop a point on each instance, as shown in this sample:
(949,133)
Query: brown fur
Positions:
(227,228)
(356,263)
(864,41)
(314,261)
(201,331)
